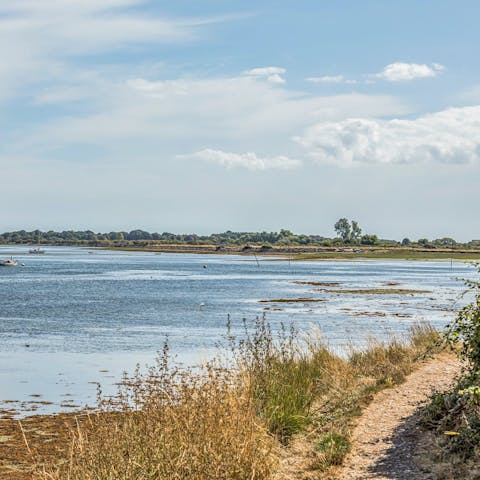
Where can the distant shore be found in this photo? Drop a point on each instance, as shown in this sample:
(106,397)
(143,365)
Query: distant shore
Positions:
(313,252)
(291,252)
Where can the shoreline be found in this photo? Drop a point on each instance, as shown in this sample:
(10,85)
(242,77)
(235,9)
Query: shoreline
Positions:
(45,439)
(291,253)
(300,253)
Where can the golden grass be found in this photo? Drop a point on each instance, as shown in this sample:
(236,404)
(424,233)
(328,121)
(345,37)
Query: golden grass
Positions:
(171,424)
(229,421)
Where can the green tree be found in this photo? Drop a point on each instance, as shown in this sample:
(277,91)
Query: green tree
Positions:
(343,229)
(445,242)
(406,241)
(356,231)
(369,240)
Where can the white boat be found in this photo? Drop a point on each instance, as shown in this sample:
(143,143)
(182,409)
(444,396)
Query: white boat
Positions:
(9,262)
(36,251)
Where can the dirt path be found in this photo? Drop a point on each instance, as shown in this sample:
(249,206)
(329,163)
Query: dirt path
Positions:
(385,438)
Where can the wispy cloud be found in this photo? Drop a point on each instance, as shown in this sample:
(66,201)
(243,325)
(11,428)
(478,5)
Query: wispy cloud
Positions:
(249,160)
(271,74)
(394,72)
(39,41)
(331,79)
(196,111)
(402,72)
(451,136)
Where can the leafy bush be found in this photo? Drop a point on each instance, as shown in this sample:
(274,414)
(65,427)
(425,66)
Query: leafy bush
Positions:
(455,415)
(464,332)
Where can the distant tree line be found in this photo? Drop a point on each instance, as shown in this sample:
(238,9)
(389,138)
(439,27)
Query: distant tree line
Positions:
(349,233)
(284,237)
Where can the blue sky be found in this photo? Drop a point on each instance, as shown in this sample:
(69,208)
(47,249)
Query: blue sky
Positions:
(205,116)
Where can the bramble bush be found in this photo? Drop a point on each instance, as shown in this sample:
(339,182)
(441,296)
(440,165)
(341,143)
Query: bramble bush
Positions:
(464,332)
(455,415)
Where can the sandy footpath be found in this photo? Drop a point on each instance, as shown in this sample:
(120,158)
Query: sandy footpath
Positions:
(385,439)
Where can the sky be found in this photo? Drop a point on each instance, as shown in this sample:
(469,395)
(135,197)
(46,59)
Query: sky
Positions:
(191,116)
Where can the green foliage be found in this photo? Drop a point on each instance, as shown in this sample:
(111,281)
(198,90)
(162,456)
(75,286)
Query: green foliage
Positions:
(343,229)
(423,241)
(281,375)
(144,238)
(464,332)
(369,240)
(444,242)
(349,232)
(352,233)
(455,415)
(356,231)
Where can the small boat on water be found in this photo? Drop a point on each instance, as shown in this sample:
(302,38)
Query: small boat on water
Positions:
(36,251)
(9,262)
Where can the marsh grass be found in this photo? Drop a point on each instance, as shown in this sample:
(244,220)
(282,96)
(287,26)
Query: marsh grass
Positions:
(230,418)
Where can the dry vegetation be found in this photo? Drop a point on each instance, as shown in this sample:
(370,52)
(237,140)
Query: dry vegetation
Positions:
(235,419)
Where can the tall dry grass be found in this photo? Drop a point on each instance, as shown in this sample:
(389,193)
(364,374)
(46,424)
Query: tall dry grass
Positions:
(228,419)
(171,424)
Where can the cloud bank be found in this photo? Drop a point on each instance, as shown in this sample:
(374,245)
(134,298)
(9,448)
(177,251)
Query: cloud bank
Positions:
(451,137)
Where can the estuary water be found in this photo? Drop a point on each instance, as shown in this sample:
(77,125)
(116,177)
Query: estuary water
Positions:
(76,316)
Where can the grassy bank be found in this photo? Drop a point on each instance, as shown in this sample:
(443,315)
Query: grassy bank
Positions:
(232,419)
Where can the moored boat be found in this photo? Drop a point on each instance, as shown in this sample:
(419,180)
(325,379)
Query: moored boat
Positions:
(36,251)
(9,262)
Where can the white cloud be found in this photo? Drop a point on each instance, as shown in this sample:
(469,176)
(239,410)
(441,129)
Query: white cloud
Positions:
(194,112)
(451,136)
(276,78)
(249,160)
(265,71)
(40,40)
(401,72)
(326,79)
(271,74)
(394,72)
(331,79)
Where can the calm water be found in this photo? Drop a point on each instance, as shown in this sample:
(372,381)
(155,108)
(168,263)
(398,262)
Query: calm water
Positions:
(72,317)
